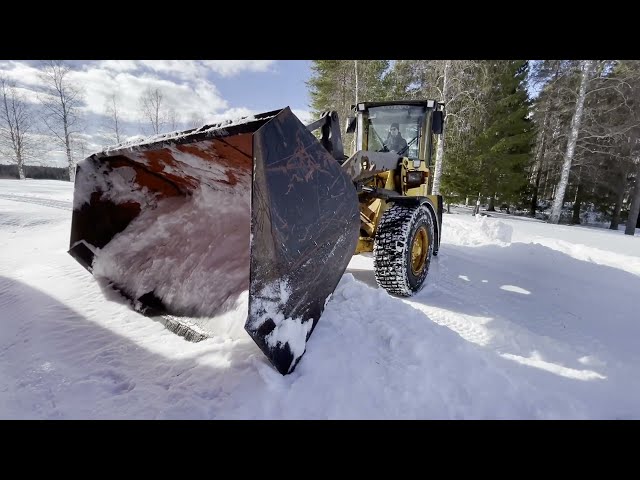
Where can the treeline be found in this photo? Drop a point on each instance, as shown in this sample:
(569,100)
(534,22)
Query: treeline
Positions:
(34,171)
(555,139)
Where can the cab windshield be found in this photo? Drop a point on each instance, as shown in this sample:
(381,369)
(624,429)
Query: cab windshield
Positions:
(409,121)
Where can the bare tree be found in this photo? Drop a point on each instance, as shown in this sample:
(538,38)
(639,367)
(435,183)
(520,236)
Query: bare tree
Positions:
(440,150)
(574,130)
(16,121)
(457,83)
(602,165)
(356,72)
(80,146)
(196,120)
(152,109)
(173,119)
(538,165)
(61,102)
(114,123)
(333,87)
(557,82)
(634,212)
(546,72)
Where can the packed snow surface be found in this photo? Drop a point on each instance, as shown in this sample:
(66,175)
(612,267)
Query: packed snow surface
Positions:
(518,319)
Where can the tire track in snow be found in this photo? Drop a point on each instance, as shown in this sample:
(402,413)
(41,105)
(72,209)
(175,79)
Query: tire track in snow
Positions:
(45,202)
(502,334)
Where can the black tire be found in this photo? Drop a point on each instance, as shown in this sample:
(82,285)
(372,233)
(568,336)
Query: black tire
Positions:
(400,227)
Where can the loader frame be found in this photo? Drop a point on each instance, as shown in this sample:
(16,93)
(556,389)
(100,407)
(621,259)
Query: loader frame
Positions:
(383,179)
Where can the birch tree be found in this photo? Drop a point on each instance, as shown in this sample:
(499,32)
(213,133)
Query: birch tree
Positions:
(173,119)
(457,83)
(152,109)
(440,150)
(332,86)
(552,111)
(634,212)
(80,146)
(61,101)
(602,166)
(539,162)
(546,73)
(114,123)
(196,120)
(16,122)
(574,130)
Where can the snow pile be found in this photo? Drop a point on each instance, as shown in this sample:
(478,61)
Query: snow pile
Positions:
(192,253)
(494,230)
(483,231)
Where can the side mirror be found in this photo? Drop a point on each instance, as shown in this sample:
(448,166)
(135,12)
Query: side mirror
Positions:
(437,123)
(351,125)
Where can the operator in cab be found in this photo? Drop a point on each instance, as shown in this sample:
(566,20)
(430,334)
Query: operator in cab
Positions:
(395,142)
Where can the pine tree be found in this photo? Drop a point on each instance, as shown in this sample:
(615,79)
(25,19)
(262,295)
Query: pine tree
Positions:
(504,147)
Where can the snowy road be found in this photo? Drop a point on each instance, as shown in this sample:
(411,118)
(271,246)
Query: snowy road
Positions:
(520,319)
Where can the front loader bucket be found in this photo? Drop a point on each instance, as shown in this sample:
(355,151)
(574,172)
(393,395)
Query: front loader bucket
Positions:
(252,216)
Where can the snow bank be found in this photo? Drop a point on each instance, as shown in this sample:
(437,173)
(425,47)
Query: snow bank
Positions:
(483,231)
(587,253)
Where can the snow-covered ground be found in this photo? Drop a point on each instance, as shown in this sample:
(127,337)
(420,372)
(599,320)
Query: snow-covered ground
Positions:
(520,319)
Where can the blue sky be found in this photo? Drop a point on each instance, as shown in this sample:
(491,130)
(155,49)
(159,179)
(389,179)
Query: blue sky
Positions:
(284,86)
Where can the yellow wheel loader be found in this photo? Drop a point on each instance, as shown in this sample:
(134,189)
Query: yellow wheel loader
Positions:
(254,221)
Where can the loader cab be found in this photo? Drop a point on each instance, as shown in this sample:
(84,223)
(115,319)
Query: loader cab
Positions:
(418,121)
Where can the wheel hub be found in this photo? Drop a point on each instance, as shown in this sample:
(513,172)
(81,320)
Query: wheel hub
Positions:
(419,251)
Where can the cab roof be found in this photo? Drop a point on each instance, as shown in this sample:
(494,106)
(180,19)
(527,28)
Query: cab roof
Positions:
(420,103)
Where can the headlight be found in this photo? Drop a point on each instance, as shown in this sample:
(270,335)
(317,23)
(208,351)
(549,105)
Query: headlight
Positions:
(415,178)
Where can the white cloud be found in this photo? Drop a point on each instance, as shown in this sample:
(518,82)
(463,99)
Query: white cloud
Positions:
(187,69)
(21,73)
(228,68)
(304,116)
(237,113)
(230,114)
(190,69)
(29,95)
(200,97)
(119,65)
